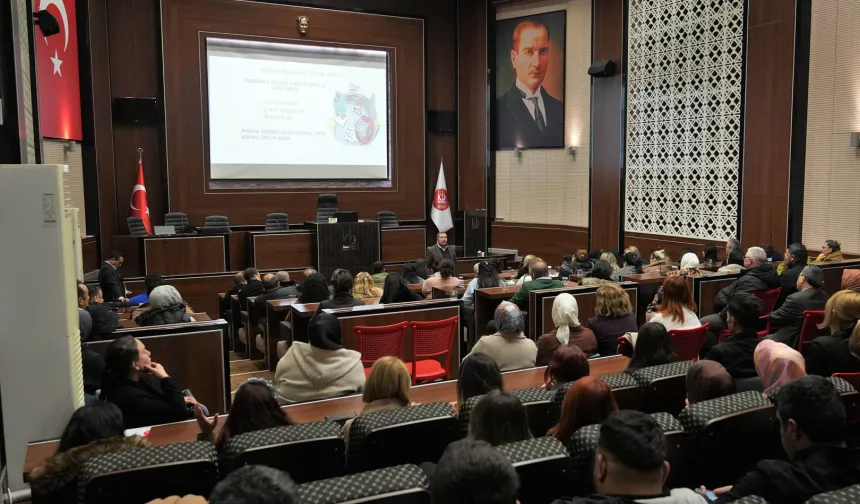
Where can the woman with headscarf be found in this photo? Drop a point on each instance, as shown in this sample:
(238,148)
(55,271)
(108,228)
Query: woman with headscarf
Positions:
(777,364)
(568,331)
(167,308)
(689,264)
(851,280)
(706,380)
(321,368)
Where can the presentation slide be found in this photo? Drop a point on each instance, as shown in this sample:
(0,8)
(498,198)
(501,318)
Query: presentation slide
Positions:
(296,112)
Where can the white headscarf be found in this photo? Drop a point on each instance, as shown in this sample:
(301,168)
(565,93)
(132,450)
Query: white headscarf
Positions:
(565,314)
(689,261)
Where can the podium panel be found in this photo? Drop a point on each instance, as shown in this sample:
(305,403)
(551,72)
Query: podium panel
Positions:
(350,245)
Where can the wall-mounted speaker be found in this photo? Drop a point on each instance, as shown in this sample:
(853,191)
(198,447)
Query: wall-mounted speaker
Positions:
(135,110)
(442,122)
(603,68)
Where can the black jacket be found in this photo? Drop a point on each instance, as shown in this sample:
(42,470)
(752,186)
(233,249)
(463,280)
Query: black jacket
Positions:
(173,314)
(105,321)
(518,128)
(736,354)
(252,289)
(608,329)
(829,354)
(111,283)
(279,293)
(225,303)
(789,318)
(788,282)
(149,401)
(760,278)
(342,300)
(434,256)
(815,470)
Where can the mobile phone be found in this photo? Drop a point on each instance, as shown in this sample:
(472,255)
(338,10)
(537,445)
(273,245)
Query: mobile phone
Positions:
(187,393)
(710,495)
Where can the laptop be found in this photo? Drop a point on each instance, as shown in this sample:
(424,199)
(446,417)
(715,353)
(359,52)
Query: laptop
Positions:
(346,216)
(164,230)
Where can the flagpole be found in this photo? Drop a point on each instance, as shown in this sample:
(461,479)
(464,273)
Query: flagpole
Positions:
(140,155)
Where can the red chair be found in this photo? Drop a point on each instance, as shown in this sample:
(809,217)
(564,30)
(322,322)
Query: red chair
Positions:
(809,330)
(768,299)
(380,341)
(625,348)
(687,343)
(431,341)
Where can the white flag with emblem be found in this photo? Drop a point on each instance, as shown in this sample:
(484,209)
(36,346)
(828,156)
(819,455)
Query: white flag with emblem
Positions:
(440,208)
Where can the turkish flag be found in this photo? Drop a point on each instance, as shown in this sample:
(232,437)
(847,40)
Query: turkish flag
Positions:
(59,86)
(139,206)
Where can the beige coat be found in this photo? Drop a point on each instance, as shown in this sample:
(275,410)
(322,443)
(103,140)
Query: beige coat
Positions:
(509,353)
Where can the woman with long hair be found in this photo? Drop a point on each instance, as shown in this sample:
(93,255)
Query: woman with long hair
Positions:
(709,254)
(601,273)
(677,309)
(479,374)
(446,277)
(524,265)
(610,259)
(653,347)
(567,332)
(567,365)
(254,408)
(588,401)
(387,387)
(499,418)
(396,290)
(707,379)
(614,318)
(364,287)
(314,290)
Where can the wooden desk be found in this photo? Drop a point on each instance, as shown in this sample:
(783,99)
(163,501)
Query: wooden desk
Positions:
(540,305)
(833,274)
(316,411)
(486,301)
(269,250)
(277,311)
(447,292)
(705,290)
(252,329)
(185,254)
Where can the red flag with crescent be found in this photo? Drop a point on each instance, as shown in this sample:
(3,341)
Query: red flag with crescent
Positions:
(139,206)
(59,87)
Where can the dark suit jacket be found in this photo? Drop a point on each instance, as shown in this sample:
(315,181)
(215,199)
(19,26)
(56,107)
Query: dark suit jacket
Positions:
(111,283)
(736,354)
(434,256)
(342,300)
(517,127)
(149,401)
(789,317)
(830,354)
(252,289)
(788,282)
(287,292)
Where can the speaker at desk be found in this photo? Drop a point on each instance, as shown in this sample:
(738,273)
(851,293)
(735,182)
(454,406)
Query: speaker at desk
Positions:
(603,68)
(135,110)
(442,122)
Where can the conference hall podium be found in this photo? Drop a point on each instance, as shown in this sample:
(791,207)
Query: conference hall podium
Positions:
(350,245)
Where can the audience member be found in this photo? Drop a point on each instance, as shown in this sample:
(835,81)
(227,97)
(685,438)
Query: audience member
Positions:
(341,280)
(167,307)
(499,418)
(524,265)
(364,287)
(841,313)
(808,296)
(140,387)
(96,296)
(567,365)
(85,320)
(387,388)
(736,352)
(653,347)
(601,273)
(630,463)
(379,272)
(149,282)
(93,369)
(542,280)
(709,255)
(582,264)
(314,290)
(568,331)
(275,287)
(424,272)
(588,401)
(439,252)
(396,290)
(509,347)
(479,374)
(677,310)
(689,265)
(111,281)
(734,263)
(529,276)
(773,256)
(813,428)
(253,288)
(255,484)
(838,352)
(612,261)
(567,268)
(445,278)
(732,244)
(831,251)
(410,273)
(631,267)
(104,321)
(707,379)
(239,283)
(254,408)
(851,280)
(795,260)
(93,430)
(777,364)
(307,272)
(321,368)
(486,277)
(659,262)
(472,472)
(614,318)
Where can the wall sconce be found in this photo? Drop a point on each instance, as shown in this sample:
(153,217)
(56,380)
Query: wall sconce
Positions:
(518,152)
(855,140)
(571,151)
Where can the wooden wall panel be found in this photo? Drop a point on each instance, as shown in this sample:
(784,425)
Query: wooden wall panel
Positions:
(672,244)
(472,113)
(406,244)
(547,242)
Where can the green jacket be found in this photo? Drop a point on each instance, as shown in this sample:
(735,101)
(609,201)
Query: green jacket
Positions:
(521,297)
(379,278)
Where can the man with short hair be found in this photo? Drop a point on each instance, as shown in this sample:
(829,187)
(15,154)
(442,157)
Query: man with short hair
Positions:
(285,282)
(111,281)
(813,426)
(437,253)
(104,320)
(508,346)
(378,275)
(239,283)
(809,296)
(542,280)
(737,351)
(272,290)
(473,472)
(308,272)
(630,464)
(341,282)
(85,321)
(732,244)
(252,289)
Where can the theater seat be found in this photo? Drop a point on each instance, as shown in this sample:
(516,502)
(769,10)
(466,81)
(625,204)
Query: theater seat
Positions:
(144,474)
(544,468)
(540,409)
(841,496)
(664,388)
(402,436)
(677,446)
(464,414)
(403,484)
(627,392)
(308,452)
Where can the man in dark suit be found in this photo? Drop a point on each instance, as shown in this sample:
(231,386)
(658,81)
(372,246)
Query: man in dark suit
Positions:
(253,288)
(809,296)
(111,282)
(274,289)
(439,252)
(528,116)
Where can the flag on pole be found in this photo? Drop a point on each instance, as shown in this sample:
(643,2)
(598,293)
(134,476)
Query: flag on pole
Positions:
(138,204)
(440,209)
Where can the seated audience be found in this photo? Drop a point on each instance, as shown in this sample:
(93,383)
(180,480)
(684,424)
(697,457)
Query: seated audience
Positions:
(85,320)
(396,290)
(140,387)
(659,262)
(709,255)
(808,296)
(96,296)
(568,331)
(472,472)
(321,368)
(677,310)
(364,287)
(630,463)
(851,280)
(567,365)
(387,388)
(524,265)
(341,281)
(777,364)
(149,282)
(582,265)
(689,266)
(93,369)
(588,401)
(813,428)
(795,260)
(105,321)
(542,280)
(838,352)
(479,374)
(601,273)
(379,272)
(274,288)
(733,244)
(567,267)
(424,271)
(831,251)
(254,408)
(734,263)
(612,261)
(314,290)
(614,318)
(773,256)
(736,352)
(93,430)
(486,277)
(499,418)
(509,347)
(631,267)
(528,277)
(285,282)
(167,307)
(239,283)
(255,484)
(653,347)
(445,278)
(410,273)
(707,379)
(253,288)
